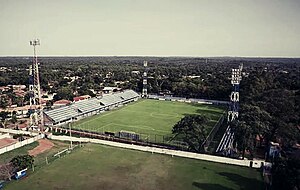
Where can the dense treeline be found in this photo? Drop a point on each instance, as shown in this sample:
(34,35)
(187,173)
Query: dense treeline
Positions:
(270,112)
(187,77)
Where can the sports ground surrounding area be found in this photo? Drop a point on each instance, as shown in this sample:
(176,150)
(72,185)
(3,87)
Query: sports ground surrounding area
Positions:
(148,117)
(102,167)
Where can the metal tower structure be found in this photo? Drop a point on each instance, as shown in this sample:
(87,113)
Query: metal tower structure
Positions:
(36,109)
(236,78)
(226,143)
(145,85)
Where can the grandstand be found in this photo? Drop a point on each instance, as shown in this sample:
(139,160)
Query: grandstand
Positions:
(88,107)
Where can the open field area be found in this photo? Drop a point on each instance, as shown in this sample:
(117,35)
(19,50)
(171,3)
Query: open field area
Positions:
(6,157)
(39,157)
(151,117)
(103,167)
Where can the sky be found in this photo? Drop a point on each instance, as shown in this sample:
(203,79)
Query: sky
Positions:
(263,28)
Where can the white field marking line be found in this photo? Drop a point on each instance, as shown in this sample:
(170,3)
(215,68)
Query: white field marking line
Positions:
(99,116)
(139,127)
(135,111)
(105,114)
(108,113)
(161,115)
(153,114)
(104,126)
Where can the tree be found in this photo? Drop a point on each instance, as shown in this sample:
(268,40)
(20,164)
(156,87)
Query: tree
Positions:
(3,102)
(49,104)
(253,121)
(286,174)
(192,130)
(6,171)
(14,118)
(22,161)
(64,93)
(244,136)
(3,117)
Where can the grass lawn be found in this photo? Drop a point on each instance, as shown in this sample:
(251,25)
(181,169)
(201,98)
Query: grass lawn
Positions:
(103,167)
(148,117)
(40,158)
(6,157)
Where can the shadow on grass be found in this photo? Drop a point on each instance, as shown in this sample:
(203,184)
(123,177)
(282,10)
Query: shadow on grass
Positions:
(209,186)
(243,182)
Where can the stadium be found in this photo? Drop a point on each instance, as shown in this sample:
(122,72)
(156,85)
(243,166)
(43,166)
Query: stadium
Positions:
(127,116)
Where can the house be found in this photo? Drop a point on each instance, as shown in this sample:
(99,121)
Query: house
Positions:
(79,98)
(61,103)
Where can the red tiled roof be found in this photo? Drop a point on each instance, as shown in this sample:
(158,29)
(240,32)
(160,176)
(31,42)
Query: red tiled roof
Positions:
(81,98)
(21,126)
(62,102)
(78,98)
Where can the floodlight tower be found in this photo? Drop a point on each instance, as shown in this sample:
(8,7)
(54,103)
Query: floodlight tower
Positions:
(233,112)
(236,78)
(226,143)
(145,85)
(36,109)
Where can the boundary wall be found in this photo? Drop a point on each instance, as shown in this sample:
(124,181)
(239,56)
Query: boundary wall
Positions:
(36,137)
(184,154)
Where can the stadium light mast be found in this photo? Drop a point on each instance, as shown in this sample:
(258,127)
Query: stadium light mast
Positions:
(233,112)
(226,143)
(236,78)
(145,85)
(36,109)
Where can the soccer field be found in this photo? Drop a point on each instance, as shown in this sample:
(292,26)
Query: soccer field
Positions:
(102,167)
(148,117)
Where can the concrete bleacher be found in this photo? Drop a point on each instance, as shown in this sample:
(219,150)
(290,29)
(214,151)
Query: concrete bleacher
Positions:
(111,99)
(89,106)
(61,114)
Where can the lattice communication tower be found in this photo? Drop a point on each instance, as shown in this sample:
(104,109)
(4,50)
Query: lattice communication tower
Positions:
(36,109)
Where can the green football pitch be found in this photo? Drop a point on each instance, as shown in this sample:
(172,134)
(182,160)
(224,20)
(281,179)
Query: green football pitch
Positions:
(102,167)
(148,117)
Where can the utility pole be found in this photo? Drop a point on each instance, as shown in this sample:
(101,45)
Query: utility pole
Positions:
(70,136)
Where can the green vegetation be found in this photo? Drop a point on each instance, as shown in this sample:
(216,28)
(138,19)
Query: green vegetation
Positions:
(40,159)
(148,117)
(192,130)
(21,162)
(6,157)
(58,146)
(270,112)
(102,167)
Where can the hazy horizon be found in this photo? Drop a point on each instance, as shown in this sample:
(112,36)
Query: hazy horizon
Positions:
(167,28)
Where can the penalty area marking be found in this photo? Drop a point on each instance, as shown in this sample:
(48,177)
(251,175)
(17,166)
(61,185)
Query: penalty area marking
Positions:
(105,114)
(134,126)
(162,115)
